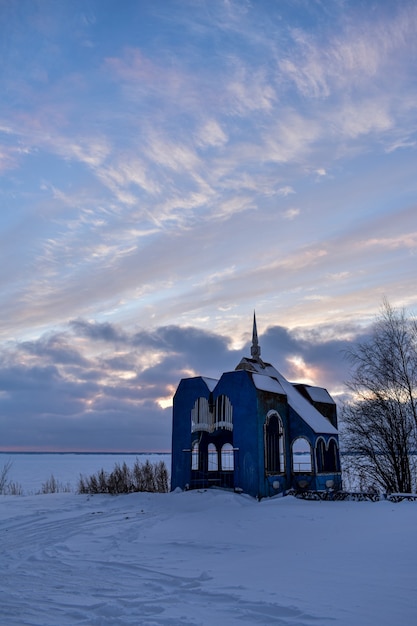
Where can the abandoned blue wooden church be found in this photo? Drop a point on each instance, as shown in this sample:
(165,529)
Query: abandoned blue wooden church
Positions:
(254,431)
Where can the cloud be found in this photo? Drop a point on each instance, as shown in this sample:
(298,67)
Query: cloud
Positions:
(285,191)
(290,214)
(404,240)
(358,53)
(94,386)
(152,156)
(292,138)
(314,355)
(9,157)
(98,331)
(211,135)
(361,118)
(249,91)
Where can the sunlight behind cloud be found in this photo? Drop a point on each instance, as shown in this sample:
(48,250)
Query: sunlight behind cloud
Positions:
(301,372)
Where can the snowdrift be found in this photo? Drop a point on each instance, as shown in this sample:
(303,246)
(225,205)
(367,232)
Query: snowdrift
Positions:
(201,558)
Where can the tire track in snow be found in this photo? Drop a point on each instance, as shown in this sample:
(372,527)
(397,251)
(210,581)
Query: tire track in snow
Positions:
(98,563)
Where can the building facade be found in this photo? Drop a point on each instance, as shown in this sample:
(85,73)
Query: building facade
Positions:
(253,431)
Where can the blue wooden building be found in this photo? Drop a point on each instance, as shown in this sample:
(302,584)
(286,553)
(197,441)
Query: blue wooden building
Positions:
(254,431)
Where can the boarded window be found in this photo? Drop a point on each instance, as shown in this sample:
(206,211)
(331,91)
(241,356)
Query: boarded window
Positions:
(224,413)
(201,418)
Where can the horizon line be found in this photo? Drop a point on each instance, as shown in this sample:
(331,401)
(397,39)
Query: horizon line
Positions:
(17,450)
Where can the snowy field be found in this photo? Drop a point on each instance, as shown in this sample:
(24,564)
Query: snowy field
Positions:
(205,558)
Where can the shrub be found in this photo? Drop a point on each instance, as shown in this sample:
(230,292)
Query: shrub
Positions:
(14,489)
(120,479)
(52,485)
(142,477)
(161,477)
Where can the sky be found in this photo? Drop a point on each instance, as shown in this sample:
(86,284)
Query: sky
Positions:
(167,168)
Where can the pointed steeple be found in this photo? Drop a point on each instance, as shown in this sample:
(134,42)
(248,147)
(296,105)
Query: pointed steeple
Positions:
(255,348)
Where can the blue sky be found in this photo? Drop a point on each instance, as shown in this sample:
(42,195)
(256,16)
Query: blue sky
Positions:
(168,167)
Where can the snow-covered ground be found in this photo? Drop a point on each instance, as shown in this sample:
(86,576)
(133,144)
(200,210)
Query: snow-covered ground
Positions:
(209,557)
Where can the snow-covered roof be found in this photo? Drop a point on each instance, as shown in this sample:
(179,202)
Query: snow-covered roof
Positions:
(307,411)
(266,383)
(319,394)
(273,380)
(210,382)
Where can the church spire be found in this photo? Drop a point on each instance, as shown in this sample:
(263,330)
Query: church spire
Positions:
(255,348)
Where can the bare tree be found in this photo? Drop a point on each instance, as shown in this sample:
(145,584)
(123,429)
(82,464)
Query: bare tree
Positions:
(4,473)
(8,487)
(379,425)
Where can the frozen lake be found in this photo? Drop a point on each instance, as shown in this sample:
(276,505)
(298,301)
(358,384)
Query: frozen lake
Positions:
(31,470)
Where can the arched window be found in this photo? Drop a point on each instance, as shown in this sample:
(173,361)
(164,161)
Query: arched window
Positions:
(213,459)
(301,456)
(332,457)
(320,455)
(224,413)
(194,456)
(227,457)
(274,444)
(201,418)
